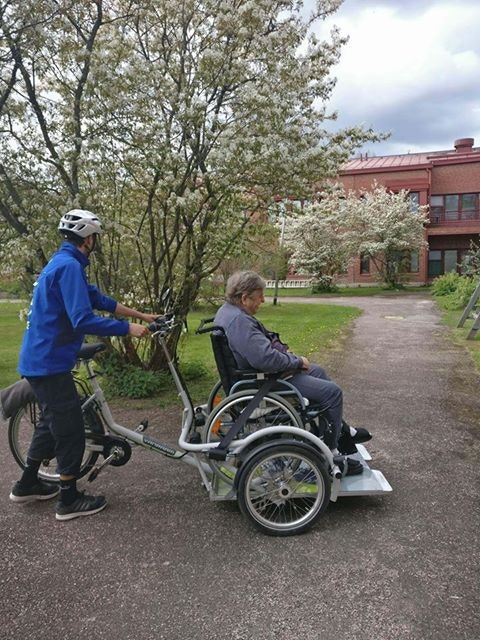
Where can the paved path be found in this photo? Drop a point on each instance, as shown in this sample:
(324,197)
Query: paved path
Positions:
(161,562)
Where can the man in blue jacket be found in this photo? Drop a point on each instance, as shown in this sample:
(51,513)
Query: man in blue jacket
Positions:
(60,315)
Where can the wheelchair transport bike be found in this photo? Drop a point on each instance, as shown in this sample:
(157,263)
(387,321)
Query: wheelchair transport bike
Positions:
(261,444)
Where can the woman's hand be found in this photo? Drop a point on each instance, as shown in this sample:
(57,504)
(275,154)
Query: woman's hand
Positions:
(306,363)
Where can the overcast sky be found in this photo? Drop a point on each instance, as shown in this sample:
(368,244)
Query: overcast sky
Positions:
(411,67)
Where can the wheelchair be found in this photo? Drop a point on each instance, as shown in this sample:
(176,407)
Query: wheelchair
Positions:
(254,402)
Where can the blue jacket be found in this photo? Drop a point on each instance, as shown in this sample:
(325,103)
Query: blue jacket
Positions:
(249,344)
(61,313)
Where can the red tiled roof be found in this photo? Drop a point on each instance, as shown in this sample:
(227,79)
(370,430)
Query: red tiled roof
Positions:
(413,160)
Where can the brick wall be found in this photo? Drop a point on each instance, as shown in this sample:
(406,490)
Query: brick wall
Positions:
(458,178)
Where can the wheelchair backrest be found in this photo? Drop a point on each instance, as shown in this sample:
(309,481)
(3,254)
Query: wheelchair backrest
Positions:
(224,359)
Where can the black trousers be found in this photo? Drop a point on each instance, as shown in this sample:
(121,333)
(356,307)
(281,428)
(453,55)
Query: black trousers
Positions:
(60,432)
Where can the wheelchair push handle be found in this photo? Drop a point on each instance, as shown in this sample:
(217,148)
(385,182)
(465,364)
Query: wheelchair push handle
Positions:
(207,321)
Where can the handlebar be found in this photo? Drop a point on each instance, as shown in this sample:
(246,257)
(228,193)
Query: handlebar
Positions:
(163,324)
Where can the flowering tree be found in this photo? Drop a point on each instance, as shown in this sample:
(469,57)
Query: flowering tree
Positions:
(330,233)
(388,227)
(320,239)
(172,119)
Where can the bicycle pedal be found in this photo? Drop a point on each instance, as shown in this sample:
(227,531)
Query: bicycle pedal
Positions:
(143,426)
(96,470)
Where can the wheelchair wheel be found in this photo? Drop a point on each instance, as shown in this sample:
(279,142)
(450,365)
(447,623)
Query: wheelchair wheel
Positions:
(283,488)
(216,396)
(273,411)
(20,431)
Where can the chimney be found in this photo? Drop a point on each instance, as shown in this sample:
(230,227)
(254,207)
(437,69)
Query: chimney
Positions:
(464,145)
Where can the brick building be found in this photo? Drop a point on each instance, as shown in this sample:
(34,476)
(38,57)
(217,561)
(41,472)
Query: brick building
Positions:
(448,181)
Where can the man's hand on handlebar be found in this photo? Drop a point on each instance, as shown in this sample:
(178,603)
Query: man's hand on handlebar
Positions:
(138,330)
(148,317)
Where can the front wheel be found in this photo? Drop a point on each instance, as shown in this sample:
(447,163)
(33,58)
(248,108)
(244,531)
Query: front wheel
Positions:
(283,488)
(20,432)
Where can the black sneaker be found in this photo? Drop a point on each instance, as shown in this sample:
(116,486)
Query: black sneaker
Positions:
(354,467)
(362,435)
(39,491)
(82,506)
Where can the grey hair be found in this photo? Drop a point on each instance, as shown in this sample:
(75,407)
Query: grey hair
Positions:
(242,282)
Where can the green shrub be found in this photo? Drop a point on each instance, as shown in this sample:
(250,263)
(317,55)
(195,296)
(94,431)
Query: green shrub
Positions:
(459,298)
(12,288)
(128,381)
(446,284)
(193,370)
(324,284)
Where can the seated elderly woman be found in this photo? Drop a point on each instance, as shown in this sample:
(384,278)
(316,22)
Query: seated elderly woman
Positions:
(255,347)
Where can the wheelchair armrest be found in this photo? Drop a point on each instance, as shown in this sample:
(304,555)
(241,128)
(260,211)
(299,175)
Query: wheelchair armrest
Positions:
(286,389)
(254,373)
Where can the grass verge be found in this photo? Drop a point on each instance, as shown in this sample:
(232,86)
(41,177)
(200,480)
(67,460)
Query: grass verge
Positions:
(11,332)
(347,292)
(459,335)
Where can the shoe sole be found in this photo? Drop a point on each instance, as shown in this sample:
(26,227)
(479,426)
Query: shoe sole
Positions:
(78,514)
(36,498)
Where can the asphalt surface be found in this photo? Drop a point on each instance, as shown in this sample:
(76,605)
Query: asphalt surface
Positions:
(162,562)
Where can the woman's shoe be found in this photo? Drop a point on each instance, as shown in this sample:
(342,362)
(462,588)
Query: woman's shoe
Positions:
(362,435)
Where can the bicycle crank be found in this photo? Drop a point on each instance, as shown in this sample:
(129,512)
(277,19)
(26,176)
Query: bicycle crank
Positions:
(116,452)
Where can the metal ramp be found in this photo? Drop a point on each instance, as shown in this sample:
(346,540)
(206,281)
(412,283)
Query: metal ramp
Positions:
(369,483)
(472,309)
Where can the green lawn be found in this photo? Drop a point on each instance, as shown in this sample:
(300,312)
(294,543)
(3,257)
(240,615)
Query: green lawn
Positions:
(11,332)
(459,336)
(344,291)
(310,330)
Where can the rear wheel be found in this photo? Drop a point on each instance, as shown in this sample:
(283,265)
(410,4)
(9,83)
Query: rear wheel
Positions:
(283,488)
(216,396)
(20,432)
(273,411)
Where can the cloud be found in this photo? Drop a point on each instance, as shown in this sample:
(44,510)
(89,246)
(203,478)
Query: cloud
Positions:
(411,68)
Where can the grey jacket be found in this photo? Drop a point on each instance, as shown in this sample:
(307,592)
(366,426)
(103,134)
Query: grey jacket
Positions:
(249,344)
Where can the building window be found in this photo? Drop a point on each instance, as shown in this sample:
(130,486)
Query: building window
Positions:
(436,209)
(364,263)
(414,262)
(469,206)
(454,208)
(444,261)
(407,261)
(435,263)
(451,207)
(414,197)
(450,260)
